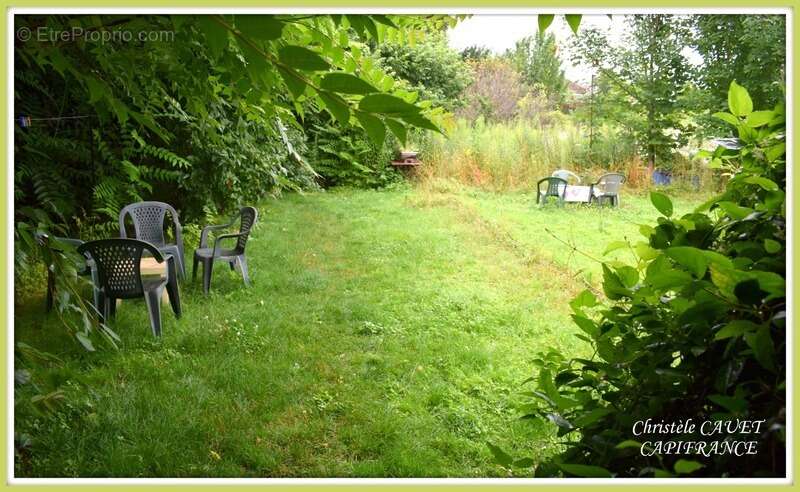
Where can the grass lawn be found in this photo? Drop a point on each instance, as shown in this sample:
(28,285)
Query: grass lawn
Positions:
(386,334)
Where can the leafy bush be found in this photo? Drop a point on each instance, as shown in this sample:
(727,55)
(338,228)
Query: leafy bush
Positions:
(694,329)
(347,157)
(430,67)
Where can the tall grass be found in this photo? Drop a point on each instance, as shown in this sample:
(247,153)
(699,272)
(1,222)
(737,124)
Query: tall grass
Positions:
(514,155)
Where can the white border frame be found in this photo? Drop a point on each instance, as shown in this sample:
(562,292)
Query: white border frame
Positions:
(788,480)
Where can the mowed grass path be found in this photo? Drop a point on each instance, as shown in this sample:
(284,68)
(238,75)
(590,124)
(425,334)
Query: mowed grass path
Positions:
(386,334)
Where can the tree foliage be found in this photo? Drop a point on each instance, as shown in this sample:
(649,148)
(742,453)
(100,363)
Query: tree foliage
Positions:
(475,53)
(646,76)
(750,49)
(433,69)
(536,59)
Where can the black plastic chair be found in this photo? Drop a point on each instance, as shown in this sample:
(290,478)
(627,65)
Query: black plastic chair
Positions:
(84,269)
(148,224)
(233,256)
(118,268)
(556,187)
(607,188)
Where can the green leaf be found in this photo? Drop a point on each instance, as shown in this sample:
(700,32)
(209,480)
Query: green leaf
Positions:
(574,21)
(612,285)
(398,129)
(666,278)
(587,325)
(646,230)
(419,121)
(524,463)
(591,417)
(547,385)
(374,127)
(772,246)
(585,299)
(96,89)
(759,118)
(771,282)
(730,403)
(386,104)
(216,34)
(644,251)
(588,471)
(735,328)
(739,101)
(362,24)
(346,83)
(500,456)
(734,211)
(685,467)
(382,19)
(662,203)
(302,58)
(85,341)
(727,118)
(763,348)
(693,259)
(628,275)
(294,82)
(262,27)
(726,278)
(775,151)
(629,443)
(615,245)
(544,21)
(763,182)
(338,109)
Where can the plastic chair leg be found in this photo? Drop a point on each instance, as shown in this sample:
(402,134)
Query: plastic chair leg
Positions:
(112,308)
(181,272)
(243,267)
(194,269)
(106,309)
(181,266)
(153,300)
(172,291)
(96,290)
(208,266)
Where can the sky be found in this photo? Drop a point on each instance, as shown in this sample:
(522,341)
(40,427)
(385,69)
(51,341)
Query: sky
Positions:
(500,32)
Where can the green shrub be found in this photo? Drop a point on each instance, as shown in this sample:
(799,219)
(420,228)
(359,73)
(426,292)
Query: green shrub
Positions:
(694,329)
(347,157)
(430,67)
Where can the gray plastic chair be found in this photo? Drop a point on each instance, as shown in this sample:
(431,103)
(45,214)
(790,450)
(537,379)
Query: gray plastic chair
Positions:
(118,266)
(607,187)
(234,256)
(556,187)
(55,244)
(148,224)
